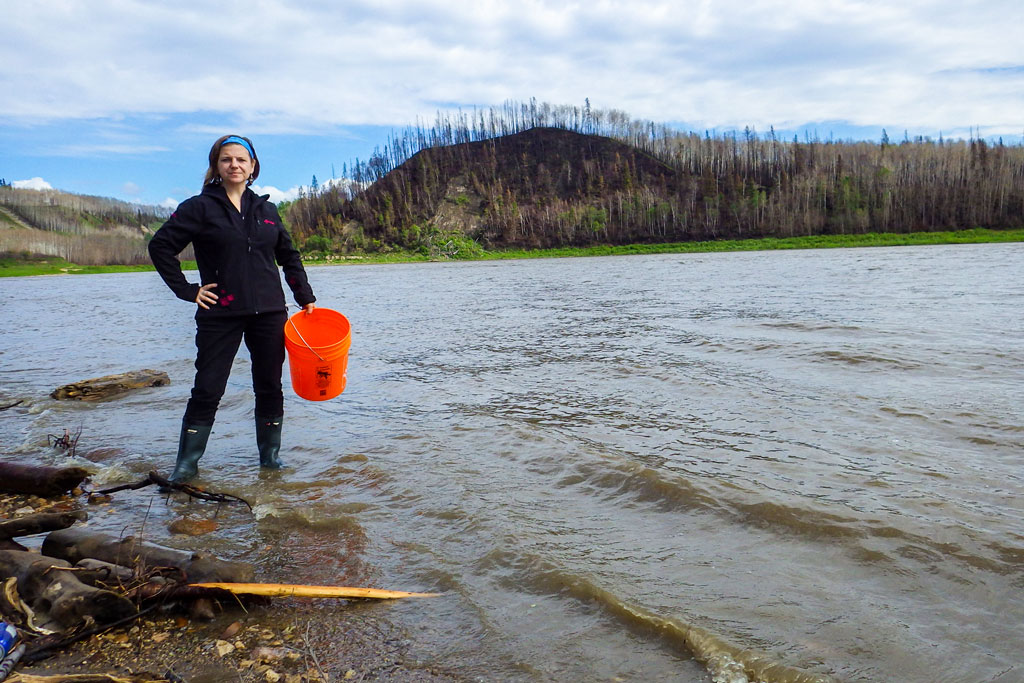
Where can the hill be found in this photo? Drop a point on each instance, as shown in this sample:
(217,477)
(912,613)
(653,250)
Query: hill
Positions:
(592,179)
(541,187)
(79,228)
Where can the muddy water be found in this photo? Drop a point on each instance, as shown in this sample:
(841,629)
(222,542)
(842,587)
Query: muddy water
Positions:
(786,466)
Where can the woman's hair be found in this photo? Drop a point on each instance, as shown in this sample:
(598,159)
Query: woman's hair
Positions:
(211,172)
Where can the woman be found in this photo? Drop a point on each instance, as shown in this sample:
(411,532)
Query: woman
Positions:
(239,242)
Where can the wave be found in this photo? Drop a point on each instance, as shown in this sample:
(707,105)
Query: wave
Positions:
(861,359)
(633,485)
(726,661)
(813,327)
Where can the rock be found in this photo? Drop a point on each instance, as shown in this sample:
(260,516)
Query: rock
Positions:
(268,654)
(190,526)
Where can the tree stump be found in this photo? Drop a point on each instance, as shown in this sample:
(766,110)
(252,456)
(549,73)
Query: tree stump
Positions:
(109,386)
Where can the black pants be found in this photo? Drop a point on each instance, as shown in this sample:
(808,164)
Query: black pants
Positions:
(217,340)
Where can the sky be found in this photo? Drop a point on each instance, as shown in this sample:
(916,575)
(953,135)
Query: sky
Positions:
(123,98)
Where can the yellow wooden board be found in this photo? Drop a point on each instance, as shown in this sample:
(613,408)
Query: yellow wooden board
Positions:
(300,591)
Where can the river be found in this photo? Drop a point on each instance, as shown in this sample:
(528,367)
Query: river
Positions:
(778,466)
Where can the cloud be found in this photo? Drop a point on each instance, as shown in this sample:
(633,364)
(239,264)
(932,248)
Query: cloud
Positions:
(169,203)
(294,67)
(277,196)
(36,183)
(130,189)
(107,149)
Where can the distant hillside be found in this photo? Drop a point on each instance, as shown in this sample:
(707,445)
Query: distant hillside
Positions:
(80,228)
(510,180)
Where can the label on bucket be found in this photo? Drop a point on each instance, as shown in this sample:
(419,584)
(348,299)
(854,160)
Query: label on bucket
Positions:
(323,378)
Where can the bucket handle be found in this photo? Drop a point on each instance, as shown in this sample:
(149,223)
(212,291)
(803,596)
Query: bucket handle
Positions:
(304,341)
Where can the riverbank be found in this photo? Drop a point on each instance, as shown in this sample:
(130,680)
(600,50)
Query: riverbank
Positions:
(15,267)
(286,640)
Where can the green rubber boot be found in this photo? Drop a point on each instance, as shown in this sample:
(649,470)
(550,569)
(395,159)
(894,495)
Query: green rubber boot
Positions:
(268,440)
(191,446)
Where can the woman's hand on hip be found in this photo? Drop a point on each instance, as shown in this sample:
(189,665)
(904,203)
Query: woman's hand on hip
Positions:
(206,296)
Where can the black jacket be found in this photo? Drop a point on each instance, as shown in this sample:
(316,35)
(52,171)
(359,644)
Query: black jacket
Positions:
(238,251)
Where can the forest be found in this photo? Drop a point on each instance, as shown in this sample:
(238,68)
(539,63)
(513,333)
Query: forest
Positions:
(532,176)
(82,229)
(529,175)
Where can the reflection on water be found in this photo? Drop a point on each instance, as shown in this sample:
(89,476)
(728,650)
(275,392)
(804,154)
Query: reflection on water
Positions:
(760,466)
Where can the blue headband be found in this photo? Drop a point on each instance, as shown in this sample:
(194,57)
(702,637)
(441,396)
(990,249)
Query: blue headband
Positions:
(235,140)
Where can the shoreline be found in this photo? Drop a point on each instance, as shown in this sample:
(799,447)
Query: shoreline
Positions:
(289,640)
(13,267)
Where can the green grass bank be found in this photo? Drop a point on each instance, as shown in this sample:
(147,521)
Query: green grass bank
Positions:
(468,250)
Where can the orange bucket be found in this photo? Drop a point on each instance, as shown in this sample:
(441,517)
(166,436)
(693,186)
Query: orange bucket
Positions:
(317,345)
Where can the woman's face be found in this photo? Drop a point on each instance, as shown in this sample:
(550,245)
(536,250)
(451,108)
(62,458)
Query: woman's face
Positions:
(234,165)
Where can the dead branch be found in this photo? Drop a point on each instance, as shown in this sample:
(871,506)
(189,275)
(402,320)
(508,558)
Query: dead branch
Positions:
(11,405)
(68,442)
(176,591)
(168,485)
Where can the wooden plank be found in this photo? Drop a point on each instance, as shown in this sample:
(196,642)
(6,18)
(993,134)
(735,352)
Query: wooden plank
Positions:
(303,591)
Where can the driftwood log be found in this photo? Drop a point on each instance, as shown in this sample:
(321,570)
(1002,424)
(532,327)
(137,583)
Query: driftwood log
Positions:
(39,481)
(46,585)
(39,523)
(99,388)
(74,545)
(104,574)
